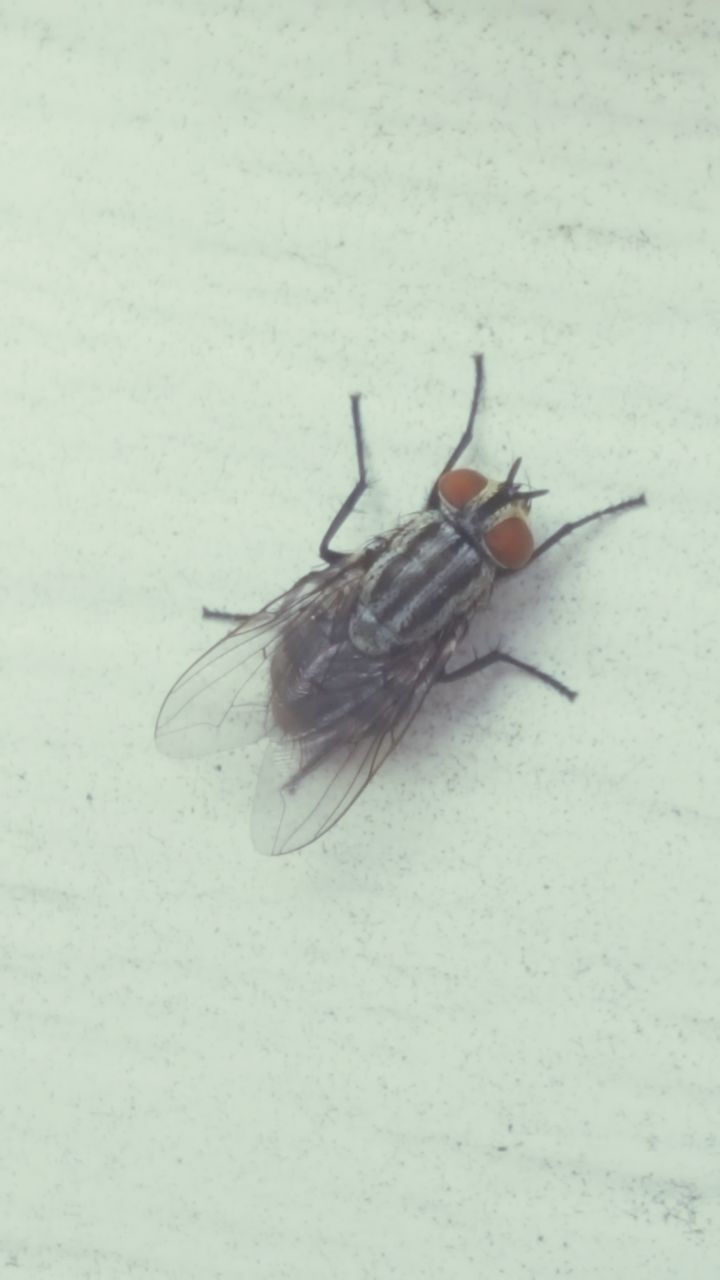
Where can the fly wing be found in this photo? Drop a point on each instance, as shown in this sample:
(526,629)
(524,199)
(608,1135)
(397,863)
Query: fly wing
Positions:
(221,701)
(307,783)
(358,707)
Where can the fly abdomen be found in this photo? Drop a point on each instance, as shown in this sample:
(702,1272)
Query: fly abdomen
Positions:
(429,576)
(321,683)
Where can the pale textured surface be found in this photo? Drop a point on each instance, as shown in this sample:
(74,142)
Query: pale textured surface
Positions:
(475,1031)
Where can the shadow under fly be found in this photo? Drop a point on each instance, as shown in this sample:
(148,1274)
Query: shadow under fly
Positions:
(333,671)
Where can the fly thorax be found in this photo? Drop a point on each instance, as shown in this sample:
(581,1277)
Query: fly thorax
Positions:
(430,576)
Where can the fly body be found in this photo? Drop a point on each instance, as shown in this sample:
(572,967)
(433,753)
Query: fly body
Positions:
(333,672)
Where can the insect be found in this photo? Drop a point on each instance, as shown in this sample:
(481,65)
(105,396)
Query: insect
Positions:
(334,671)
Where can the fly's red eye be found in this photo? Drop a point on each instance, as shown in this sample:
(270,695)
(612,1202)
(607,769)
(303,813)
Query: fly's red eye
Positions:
(458,487)
(510,542)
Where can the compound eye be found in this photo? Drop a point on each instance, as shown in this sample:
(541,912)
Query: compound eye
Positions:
(510,542)
(458,487)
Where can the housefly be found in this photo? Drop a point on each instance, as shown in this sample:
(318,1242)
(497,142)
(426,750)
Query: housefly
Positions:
(334,671)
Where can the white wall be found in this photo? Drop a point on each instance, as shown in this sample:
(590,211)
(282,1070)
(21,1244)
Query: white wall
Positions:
(473,1032)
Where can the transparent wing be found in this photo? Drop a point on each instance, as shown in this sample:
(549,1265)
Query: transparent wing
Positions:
(221,701)
(306,784)
(328,734)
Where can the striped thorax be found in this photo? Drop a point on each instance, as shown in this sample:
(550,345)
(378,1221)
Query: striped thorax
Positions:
(439,567)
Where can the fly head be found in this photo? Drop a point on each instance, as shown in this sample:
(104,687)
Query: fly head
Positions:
(492,514)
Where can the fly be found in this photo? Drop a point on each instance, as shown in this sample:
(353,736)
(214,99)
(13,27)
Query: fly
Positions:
(334,671)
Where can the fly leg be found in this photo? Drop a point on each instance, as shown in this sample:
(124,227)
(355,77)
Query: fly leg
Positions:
(326,551)
(218,615)
(566,529)
(467,434)
(496,655)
